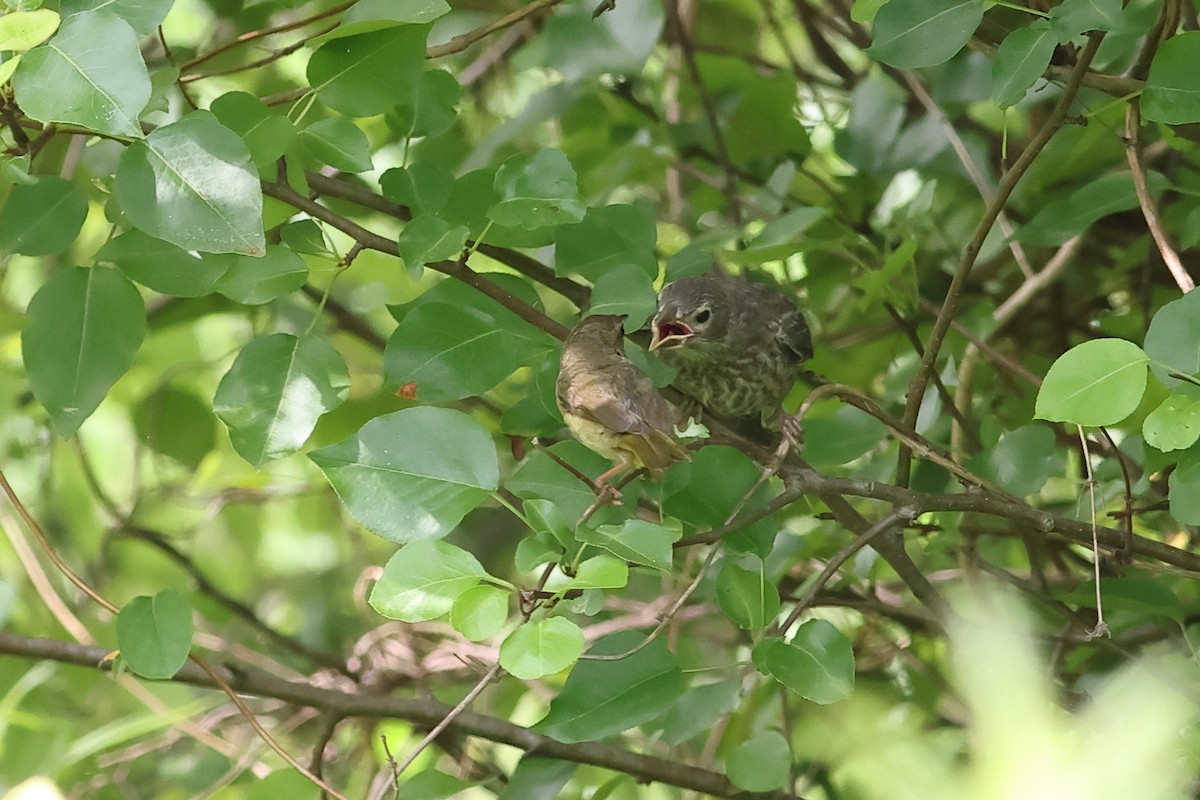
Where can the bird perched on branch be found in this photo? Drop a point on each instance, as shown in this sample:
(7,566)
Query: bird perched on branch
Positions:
(610,405)
(738,345)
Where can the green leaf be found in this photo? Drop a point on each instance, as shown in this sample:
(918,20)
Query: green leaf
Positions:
(1095,383)
(266,134)
(1183,498)
(452,352)
(746,598)
(21,30)
(423,579)
(90,74)
(82,330)
(1174,425)
(616,236)
(1023,460)
(538,779)
(600,572)
(698,710)
(602,698)
(162,266)
(703,492)
(367,16)
(1073,17)
(779,238)
(304,236)
(413,474)
(1145,597)
(254,281)
(816,664)
(176,423)
(1020,60)
(636,540)
(627,290)
(424,186)
(430,109)
(42,218)
(761,763)
(428,238)
(277,388)
(154,634)
(480,612)
(369,73)
(1173,339)
(1059,220)
(142,15)
(541,648)
(537,192)
(545,517)
(192,183)
(923,33)
(1171,94)
(339,143)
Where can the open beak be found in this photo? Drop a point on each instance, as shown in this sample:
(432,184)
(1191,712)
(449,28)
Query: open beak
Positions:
(669,334)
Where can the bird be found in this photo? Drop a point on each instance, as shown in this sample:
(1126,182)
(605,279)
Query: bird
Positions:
(610,405)
(738,346)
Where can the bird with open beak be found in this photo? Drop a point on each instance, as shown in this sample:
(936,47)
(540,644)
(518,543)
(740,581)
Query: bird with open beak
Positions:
(738,346)
(610,405)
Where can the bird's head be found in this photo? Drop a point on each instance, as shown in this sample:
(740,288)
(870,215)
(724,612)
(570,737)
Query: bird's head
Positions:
(688,316)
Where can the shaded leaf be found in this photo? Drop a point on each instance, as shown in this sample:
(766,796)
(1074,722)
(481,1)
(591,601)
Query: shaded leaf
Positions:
(816,664)
(42,218)
(412,474)
(82,330)
(277,388)
(922,33)
(192,183)
(602,698)
(154,634)
(162,266)
(537,192)
(369,73)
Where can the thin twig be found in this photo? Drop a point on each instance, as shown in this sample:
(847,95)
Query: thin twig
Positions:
(465,40)
(259,34)
(1133,154)
(1101,628)
(916,389)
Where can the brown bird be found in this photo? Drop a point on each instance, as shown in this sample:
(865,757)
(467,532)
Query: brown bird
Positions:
(738,346)
(610,405)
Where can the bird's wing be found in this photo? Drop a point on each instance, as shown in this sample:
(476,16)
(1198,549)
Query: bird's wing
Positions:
(622,399)
(793,332)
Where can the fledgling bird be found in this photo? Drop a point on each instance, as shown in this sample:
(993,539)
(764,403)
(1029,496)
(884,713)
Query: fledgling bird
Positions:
(610,405)
(738,345)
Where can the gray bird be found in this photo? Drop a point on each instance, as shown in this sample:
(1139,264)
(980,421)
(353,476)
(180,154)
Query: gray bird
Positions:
(738,346)
(610,405)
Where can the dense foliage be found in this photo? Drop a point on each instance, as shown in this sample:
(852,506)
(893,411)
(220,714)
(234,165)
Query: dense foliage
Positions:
(289,510)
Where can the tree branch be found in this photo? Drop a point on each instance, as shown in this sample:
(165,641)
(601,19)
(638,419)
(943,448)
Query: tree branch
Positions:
(422,712)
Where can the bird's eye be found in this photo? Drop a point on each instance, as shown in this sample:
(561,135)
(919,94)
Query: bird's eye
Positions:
(703,315)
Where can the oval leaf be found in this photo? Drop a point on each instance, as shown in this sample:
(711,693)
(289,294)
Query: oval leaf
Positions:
(479,612)
(82,330)
(1174,425)
(154,634)
(91,74)
(42,218)
(537,192)
(1095,383)
(922,33)
(276,389)
(602,698)
(193,184)
(367,74)
(541,648)
(1172,94)
(746,598)
(413,474)
(423,579)
(162,266)
(1173,339)
(816,664)
(21,30)
(760,764)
